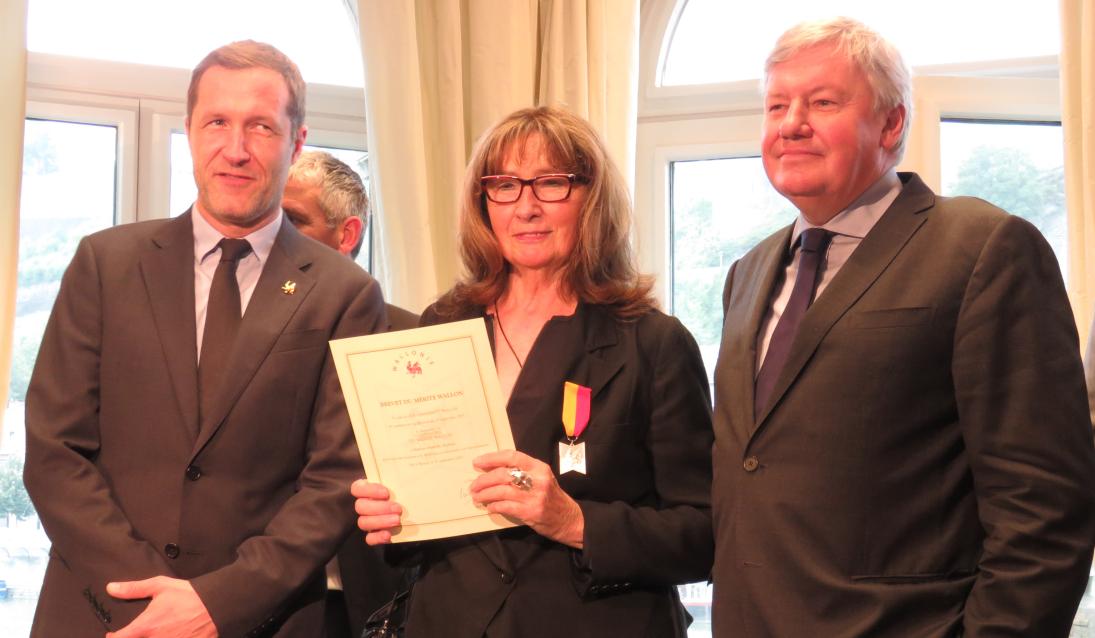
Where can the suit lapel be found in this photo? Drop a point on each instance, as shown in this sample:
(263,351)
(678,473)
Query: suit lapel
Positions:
(168,273)
(758,290)
(866,264)
(267,313)
(603,362)
(752,280)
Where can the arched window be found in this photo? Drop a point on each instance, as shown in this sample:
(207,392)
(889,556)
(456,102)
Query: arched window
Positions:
(714,41)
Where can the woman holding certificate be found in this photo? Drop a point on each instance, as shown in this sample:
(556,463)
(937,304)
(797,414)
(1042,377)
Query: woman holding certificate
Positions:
(607,399)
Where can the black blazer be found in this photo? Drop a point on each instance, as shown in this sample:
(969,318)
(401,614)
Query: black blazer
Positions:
(645,497)
(249,503)
(926,467)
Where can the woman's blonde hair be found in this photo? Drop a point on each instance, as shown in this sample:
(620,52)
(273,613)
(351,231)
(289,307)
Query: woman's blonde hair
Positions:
(601,267)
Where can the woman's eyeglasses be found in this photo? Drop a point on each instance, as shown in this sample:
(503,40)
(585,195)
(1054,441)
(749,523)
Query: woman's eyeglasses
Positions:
(506,189)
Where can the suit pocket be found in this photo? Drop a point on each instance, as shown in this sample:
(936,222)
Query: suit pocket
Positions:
(889,318)
(913,579)
(300,340)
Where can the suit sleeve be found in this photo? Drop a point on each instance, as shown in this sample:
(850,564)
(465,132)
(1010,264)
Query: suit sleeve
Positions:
(74,502)
(1022,406)
(247,595)
(671,542)
(728,289)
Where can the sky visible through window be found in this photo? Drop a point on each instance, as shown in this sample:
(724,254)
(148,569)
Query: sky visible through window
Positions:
(721,41)
(319,35)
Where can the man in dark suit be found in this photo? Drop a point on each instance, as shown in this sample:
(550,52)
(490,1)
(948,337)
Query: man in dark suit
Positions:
(326,200)
(910,455)
(188,448)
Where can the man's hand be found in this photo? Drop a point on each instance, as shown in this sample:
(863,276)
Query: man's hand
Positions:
(176,611)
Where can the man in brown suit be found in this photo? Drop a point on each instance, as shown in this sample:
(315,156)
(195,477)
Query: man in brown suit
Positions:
(902,442)
(188,448)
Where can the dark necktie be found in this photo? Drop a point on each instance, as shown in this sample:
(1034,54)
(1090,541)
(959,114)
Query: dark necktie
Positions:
(222,322)
(813,243)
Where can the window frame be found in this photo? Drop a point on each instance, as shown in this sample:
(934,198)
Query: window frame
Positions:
(120,113)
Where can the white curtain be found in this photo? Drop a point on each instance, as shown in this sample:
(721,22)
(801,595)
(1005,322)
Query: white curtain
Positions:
(439,72)
(13,82)
(1078,121)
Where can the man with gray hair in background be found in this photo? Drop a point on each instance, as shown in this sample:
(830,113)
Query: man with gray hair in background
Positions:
(326,200)
(902,443)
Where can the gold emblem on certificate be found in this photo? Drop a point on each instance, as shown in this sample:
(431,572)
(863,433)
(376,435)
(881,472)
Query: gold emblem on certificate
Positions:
(572,454)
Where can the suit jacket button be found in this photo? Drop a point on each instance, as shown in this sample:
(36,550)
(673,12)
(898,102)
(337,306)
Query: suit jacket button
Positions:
(507,578)
(193,472)
(751,464)
(171,550)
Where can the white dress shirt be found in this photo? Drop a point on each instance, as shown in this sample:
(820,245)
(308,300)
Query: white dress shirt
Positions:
(207,256)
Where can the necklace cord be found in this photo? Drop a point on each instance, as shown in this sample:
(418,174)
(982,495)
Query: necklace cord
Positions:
(505,337)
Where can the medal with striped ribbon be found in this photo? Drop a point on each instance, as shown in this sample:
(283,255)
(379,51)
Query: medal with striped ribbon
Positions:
(572,454)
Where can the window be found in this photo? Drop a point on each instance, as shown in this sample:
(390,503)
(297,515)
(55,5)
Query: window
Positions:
(721,209)
(69,190)
(1016,165)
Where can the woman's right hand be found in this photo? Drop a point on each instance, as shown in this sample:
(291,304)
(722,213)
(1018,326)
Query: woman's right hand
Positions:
(376,513)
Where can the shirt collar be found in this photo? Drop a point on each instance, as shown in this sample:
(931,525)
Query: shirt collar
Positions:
(206,237)
(861,215)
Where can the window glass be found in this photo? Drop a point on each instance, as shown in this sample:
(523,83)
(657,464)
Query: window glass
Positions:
(696,599)
(319,35)
(1017,166)
(68,192)
(720,41)
(720,209)
(184,191)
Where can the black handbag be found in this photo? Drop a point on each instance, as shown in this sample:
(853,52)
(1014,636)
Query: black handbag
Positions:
(389,620)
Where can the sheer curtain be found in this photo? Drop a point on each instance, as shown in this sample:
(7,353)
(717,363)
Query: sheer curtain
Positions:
(438,72)
(13,82)
(1078,120)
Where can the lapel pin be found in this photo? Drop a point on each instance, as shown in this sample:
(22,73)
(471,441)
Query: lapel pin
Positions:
(289,287)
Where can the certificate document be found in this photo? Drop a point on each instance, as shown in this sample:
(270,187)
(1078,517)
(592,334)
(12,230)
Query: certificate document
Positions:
(423,404)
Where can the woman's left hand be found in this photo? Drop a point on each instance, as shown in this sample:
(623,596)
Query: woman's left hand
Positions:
(543,506)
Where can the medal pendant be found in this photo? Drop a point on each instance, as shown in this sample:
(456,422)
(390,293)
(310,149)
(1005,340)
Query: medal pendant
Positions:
(572,457)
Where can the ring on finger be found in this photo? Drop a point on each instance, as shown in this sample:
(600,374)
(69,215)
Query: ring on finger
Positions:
(520,479)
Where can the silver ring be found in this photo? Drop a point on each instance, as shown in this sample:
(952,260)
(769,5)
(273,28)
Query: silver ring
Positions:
(520,479)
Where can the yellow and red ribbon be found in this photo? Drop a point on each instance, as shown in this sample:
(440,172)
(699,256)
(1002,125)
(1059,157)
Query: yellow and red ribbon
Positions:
(575,408)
